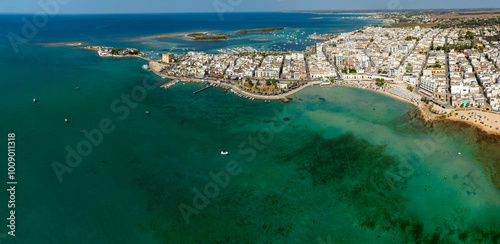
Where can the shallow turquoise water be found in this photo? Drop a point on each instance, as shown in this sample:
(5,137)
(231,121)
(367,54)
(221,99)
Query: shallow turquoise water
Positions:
(336,164)
(333,171)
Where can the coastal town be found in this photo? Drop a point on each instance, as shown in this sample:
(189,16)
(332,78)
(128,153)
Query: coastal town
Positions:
(451,67)
(443,68)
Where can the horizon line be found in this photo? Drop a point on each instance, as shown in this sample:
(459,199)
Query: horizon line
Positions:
(274,11)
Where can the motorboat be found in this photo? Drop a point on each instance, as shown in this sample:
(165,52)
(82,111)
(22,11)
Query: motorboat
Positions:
(224,152)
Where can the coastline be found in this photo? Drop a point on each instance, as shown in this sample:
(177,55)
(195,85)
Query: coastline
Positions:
(426,111)
(355,84)
(488,121)
(492,118)
(427,115)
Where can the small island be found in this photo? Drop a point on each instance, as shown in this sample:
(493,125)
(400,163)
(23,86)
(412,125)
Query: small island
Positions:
(257,30)
(204,36)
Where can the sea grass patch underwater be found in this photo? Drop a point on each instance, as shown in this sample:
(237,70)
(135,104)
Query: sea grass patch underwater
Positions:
(372,183)
(486,146)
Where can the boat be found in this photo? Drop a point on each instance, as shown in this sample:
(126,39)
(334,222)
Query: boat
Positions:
(147,112)
(34,100)
(66,120)
(224,152)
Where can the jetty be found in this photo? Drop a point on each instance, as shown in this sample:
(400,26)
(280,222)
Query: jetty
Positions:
(202,89)
(169,84)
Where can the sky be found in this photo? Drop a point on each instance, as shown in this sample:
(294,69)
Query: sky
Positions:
(180,6)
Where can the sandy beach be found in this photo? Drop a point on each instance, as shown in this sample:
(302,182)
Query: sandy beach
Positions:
(71,44)
(380,89)
(487,121)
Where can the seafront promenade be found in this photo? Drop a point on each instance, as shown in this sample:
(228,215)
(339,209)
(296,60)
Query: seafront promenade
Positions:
(155,68)
(239,89)
(387,89)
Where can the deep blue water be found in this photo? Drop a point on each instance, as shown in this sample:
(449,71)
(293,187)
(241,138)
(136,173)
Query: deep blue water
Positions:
(113,29)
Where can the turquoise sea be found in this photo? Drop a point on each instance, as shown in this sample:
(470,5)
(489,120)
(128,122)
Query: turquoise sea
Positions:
(336,165)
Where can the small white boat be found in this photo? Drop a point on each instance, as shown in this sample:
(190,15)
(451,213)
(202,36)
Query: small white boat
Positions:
(34,100)
(224,152)
(459,153)
(147,112)
(66,120)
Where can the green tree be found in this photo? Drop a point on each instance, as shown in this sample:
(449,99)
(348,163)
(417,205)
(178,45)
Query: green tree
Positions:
(380,82)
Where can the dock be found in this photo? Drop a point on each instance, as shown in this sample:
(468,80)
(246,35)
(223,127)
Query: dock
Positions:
(202,89)
(169,84)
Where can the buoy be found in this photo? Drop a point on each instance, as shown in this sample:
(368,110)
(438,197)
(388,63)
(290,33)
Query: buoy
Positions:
(378,97)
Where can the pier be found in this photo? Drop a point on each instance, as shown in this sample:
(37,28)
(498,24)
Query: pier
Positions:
(202,89)
(169,84)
